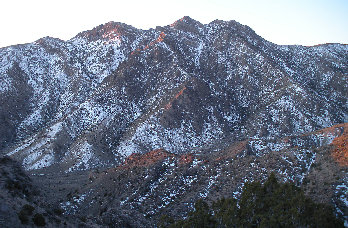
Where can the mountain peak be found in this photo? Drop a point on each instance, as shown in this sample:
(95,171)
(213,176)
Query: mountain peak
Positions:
(187,24)
(186,20)
(108,31)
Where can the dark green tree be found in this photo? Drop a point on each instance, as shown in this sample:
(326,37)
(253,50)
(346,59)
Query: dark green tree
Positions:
(39,220)
(272,204)
(166,221)
(201,216)
(226,212)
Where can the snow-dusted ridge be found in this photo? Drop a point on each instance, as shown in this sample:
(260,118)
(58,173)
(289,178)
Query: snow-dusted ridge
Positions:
(117,90)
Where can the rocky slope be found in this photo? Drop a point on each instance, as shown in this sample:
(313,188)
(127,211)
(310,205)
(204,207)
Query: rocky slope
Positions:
(22,202)
(146,186)
(207,100)
(117,90)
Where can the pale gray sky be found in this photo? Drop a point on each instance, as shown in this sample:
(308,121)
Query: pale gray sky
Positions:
(305,22)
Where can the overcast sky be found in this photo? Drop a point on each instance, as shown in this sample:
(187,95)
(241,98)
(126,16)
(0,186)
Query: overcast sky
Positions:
(305,22)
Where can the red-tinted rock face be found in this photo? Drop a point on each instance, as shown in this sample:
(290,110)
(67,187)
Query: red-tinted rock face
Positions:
(340,153)
(186,159)
(155,156)
(338,134)
(147,159)
(151,44)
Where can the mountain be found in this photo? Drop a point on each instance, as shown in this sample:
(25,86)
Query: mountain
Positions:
(214,96)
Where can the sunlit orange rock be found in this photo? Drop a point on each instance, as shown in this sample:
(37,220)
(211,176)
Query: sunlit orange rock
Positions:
(340,152)
(145,160)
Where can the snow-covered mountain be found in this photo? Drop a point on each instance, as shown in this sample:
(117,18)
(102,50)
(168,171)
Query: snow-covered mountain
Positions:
(116,90)
(197,105)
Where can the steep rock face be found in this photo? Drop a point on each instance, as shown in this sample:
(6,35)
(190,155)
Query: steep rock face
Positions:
(115,90)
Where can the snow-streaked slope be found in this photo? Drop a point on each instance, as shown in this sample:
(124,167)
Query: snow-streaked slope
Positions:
(116,90)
